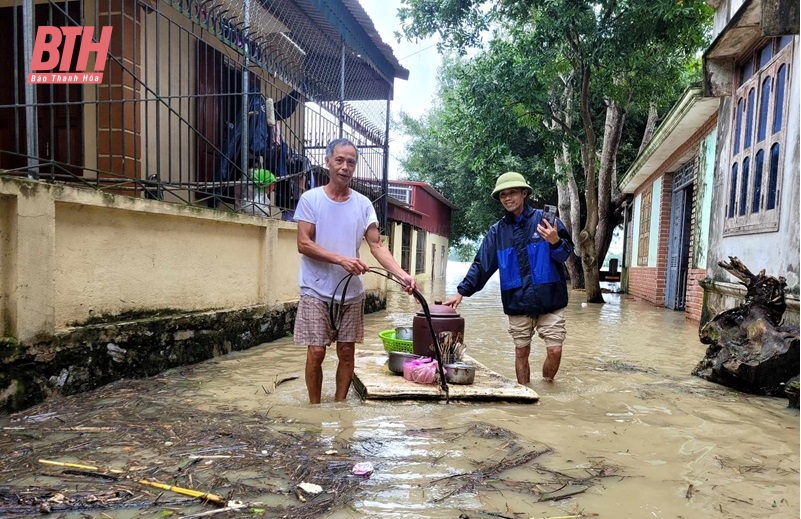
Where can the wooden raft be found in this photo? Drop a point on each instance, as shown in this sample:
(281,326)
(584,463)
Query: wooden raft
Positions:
(373,380)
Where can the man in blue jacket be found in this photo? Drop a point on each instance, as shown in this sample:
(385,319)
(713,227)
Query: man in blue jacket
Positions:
(527,248)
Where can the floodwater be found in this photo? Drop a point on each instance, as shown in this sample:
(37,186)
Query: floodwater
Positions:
(625,425)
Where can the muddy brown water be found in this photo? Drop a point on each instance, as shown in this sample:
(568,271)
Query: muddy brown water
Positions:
(623,402)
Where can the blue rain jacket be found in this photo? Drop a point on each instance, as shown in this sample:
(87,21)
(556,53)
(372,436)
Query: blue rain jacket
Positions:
(531,271)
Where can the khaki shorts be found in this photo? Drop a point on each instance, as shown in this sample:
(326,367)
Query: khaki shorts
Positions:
(313,324)
(550,327)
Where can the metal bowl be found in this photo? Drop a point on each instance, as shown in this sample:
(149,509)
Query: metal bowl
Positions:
(403,333)
(396,360)
(459,373)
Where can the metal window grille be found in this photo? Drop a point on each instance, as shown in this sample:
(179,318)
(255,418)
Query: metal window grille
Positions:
(404,194)
(420,256)
(200,99)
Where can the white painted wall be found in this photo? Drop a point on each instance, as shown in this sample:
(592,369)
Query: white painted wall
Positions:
(635,240)
(776,252)
(703,200)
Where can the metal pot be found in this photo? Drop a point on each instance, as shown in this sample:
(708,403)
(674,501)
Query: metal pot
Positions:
(403,333)
(459,373)
(396,360)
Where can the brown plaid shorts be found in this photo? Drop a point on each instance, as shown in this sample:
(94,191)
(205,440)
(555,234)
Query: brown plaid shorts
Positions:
(313,324)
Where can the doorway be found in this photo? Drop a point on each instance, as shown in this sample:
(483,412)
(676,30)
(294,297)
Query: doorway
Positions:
(681,209)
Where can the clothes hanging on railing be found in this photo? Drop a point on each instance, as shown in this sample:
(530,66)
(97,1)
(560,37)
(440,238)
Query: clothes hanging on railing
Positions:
(266,147)
(257,137)
(228,163)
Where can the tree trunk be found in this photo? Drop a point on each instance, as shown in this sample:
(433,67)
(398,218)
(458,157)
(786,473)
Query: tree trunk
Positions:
(650,126)
(566,187)
(748,348)
(613,132)
(586,238)
(566,196)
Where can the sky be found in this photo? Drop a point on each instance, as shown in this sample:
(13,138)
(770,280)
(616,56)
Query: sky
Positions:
(421,59)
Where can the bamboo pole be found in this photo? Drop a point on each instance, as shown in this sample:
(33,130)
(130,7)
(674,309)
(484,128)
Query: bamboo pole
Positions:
(205,496)
(77,466)
(214,498)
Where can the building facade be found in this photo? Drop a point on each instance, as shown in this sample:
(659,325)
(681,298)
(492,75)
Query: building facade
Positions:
(720,177)
(141,216)
(667,220)
(419,228)
(752,68)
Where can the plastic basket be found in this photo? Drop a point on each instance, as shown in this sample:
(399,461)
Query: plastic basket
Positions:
(393,344)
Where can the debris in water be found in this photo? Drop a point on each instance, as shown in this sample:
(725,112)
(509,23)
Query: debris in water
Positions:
(310,488)
(363,469)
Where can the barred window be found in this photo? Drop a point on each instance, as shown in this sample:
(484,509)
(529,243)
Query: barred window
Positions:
(752,201)
(645,229)
(420,259)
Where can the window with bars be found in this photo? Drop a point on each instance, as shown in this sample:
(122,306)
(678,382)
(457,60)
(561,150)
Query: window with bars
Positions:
(404,194)
(420,259)
(645,229)
(758,139)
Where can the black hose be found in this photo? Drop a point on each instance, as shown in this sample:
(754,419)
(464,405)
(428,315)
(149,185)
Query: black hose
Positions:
(443,384)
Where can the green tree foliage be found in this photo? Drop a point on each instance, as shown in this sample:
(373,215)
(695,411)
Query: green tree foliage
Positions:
(564,76)
(463,251)
(464,143)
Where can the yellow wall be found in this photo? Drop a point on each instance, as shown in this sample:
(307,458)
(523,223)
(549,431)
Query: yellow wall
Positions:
(8,265)
(440,261)
(69,254)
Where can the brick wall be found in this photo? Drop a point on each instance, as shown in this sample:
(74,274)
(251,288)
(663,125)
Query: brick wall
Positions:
(119,144)
(694,300)
(648,283)
(642,284)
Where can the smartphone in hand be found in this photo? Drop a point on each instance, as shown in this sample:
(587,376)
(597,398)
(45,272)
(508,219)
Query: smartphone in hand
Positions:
(549,213)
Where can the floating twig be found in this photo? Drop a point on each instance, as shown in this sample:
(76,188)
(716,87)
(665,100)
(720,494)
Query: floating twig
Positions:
(91,474)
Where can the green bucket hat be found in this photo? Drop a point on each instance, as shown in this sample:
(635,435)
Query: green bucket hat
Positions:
(508,181)
(263,177)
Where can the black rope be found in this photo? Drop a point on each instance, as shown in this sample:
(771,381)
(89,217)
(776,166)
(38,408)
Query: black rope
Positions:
(416,293)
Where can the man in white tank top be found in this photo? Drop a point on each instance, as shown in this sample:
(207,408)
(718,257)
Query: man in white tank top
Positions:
(332,222)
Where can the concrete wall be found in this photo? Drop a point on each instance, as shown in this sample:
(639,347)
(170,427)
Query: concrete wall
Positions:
(441,259)
(96,287)
(723,13)
(776,252)
(71,256)
(8,265)
(703,200)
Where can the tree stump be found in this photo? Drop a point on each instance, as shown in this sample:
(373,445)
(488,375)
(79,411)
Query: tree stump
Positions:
(749,349)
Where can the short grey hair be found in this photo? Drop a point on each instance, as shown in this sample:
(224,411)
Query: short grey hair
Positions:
(329,150)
